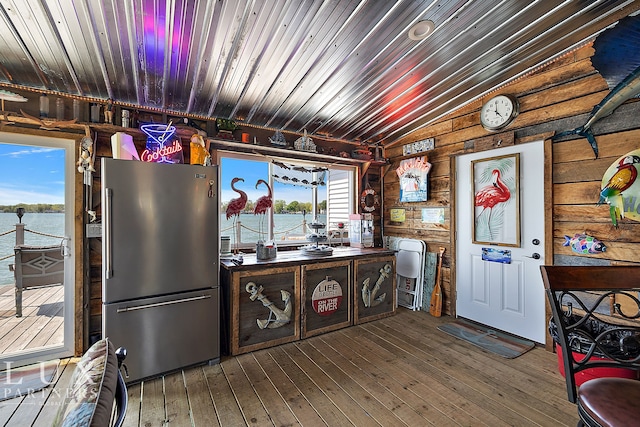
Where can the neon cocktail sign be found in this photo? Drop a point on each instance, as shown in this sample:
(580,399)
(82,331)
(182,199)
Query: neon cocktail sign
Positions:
(161,146)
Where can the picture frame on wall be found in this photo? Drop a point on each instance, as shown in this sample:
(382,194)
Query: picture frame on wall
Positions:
(413,175)
(496,200)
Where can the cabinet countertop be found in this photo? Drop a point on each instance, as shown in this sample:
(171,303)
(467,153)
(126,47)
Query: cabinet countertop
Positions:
(284,258)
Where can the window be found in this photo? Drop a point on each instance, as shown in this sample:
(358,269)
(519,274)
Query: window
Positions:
(302,193)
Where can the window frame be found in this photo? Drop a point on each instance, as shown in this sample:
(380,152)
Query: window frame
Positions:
(353,172)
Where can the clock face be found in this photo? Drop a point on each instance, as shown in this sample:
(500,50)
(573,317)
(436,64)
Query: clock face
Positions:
(498,112)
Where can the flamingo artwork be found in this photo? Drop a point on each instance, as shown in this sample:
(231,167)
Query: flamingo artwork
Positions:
(263,203)
(493,194)
(236,206)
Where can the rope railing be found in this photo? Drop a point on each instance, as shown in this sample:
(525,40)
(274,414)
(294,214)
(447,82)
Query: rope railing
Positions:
(241,226)
(291,229)
(248,228)
(43,234)
(257,231)
(226,229)
(4,233)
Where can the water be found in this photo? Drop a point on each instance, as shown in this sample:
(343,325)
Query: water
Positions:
(286,226)
(49,223)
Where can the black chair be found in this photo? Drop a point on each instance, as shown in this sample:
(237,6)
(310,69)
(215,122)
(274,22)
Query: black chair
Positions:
(36,266)
(122,398)
(591,337)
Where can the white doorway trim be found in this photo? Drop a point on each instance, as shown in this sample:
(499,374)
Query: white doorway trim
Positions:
(67,348)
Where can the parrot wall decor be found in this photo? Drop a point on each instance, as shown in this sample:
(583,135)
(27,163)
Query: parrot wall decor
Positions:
(620,188)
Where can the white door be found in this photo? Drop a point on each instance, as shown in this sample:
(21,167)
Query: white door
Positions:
(505,296)
(45,174)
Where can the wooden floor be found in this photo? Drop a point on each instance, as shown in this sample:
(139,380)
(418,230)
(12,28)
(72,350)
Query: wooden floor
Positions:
(392,372)
(41,324)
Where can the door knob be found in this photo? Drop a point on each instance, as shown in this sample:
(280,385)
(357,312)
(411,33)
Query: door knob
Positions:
(534,255)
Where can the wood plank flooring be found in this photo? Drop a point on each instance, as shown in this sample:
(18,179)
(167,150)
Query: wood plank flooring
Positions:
(391,372)
(41,324)
(396,371)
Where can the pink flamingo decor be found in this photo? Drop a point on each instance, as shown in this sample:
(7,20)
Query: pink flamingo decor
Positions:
(263,204)
(493,194)
(236,206)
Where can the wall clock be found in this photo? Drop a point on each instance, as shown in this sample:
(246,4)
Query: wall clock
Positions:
(498,112)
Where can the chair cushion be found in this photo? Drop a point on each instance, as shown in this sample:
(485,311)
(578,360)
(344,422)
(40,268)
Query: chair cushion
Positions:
(610,401)
(89,399)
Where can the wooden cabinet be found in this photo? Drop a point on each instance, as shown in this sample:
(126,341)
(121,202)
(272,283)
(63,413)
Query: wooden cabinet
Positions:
(374,288)
(267,303)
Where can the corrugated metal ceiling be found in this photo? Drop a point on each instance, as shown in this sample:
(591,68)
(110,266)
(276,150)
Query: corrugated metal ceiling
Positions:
(340,68)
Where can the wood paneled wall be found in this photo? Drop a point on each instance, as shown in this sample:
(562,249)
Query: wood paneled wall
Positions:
(553,99)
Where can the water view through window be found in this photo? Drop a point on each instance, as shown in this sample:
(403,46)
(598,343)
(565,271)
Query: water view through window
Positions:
(299,197)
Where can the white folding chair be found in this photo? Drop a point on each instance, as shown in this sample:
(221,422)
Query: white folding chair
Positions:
(410,259)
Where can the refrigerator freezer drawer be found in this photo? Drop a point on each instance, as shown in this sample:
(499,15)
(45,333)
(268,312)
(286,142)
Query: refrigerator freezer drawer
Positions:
(162,334)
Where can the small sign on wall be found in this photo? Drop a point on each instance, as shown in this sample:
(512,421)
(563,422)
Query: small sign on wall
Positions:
(418,146)
(397,215)
(433,215)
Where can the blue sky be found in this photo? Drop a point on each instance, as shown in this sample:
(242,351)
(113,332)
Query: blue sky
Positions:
(251,172)
(31,174)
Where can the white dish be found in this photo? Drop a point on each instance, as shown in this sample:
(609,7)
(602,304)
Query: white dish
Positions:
(317,250)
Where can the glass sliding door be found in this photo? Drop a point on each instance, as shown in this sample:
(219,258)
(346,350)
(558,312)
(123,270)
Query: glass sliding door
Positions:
(36,210)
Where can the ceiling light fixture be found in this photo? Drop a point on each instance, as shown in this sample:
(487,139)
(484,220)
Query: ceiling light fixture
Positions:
(421,30)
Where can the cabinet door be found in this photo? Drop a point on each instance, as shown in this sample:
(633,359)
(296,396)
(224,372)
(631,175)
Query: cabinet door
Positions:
(326,296)
(265,308)
(374,288)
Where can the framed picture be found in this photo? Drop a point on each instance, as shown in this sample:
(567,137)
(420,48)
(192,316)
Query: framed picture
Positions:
(496,200)
(413,175)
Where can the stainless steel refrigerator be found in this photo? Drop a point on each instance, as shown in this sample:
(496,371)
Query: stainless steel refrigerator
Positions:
(160,264)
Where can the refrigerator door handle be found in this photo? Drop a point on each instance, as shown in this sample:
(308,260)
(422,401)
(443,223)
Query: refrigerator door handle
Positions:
(107,233)
(160,304)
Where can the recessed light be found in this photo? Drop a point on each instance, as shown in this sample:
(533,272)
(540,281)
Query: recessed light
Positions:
(421,30)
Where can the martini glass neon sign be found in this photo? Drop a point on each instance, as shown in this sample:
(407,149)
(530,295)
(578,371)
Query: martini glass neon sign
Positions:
(161,146)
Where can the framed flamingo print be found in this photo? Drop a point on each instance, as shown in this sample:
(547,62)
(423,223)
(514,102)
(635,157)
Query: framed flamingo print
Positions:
(496,200)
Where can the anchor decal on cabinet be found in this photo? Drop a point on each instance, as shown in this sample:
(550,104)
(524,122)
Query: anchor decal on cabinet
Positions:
(369,295)
(277,317)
